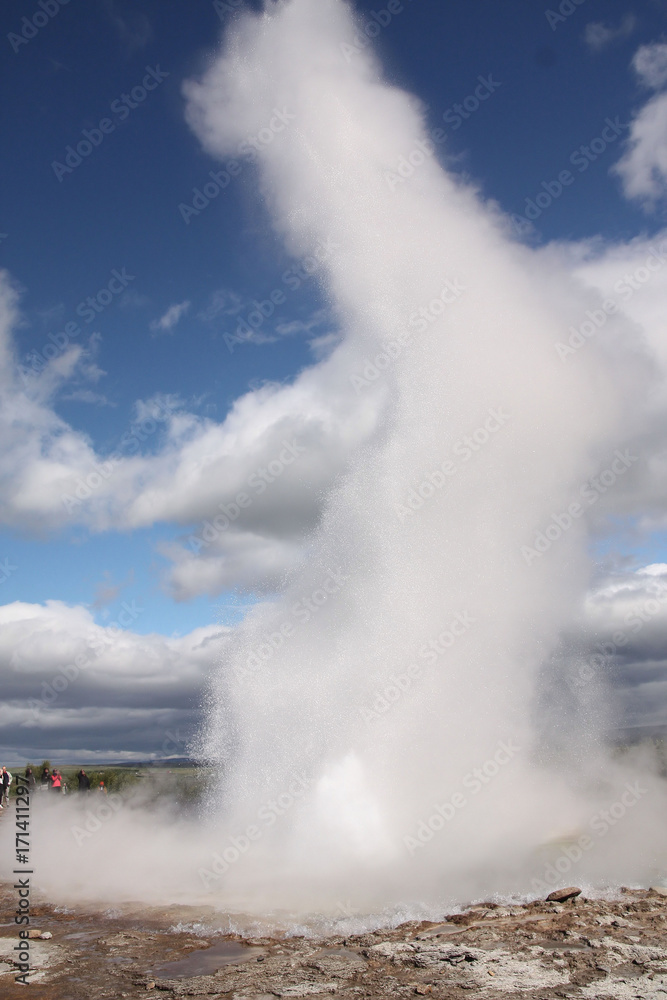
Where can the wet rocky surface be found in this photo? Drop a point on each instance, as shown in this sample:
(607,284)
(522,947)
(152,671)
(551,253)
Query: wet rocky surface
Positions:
(588,948)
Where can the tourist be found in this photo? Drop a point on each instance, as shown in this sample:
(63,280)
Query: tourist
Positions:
(84,781)
(30,779)
(45,780)
(56,781)
(102,788)
(5,782)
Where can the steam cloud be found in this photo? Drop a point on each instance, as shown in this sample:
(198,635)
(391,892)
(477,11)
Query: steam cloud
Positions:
(384,730)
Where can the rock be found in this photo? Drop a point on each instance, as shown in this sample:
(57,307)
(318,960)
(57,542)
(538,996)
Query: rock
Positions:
(560,895)
(150,985)
(34,933)
(46,936)
(660,889)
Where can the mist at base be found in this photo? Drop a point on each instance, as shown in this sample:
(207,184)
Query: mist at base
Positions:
(394,732)
(139,849)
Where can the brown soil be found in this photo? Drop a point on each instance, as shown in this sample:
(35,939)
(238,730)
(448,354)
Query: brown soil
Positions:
(581,948)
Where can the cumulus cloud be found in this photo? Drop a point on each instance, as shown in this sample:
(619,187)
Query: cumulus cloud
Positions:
(212,561)
(643,166)
(600,34)
(625,630)
(171,465)
(71,686)
(170,319)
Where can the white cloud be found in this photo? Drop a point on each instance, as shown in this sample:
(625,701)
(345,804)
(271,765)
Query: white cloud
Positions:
(69,683)
(297,327)
(170,319)
(643,166)
(136,691)
(625,637)
(242,559)
(650,65)
(174,466)
(87,396)
(222,302)
(599,34)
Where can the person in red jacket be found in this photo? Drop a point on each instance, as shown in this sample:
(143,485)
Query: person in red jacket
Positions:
(56,781)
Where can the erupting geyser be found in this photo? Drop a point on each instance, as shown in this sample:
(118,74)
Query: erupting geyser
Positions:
(396,676)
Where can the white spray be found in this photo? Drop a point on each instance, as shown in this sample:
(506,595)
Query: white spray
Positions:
(396,676)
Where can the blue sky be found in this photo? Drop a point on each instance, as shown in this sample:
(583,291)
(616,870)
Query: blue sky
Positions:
(115,221)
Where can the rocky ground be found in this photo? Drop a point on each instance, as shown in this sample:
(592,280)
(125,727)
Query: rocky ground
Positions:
(579,948)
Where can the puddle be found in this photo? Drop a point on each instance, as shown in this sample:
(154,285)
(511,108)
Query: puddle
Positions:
(206,961)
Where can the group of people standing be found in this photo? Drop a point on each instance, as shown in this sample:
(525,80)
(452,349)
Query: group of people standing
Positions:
(58,784)
(49,780)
